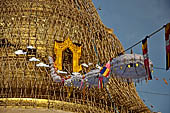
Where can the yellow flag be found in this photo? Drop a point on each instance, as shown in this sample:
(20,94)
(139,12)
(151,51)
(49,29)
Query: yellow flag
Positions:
(69,90)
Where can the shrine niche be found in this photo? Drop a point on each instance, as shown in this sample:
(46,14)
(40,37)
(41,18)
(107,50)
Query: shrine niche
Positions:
(67,62)
(67,56)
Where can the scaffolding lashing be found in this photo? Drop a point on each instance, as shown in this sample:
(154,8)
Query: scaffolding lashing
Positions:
(28,31)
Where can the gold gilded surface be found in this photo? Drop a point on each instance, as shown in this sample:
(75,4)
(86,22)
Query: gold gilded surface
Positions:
(39,23)
(45,103)
(60,47)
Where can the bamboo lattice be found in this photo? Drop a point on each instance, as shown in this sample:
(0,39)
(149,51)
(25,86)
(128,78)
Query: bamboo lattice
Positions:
(39,23)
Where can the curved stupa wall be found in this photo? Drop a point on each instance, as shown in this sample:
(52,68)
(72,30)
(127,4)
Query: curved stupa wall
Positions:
(39,23)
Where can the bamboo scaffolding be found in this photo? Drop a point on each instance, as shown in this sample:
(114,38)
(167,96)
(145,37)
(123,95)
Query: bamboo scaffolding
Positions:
(39,23)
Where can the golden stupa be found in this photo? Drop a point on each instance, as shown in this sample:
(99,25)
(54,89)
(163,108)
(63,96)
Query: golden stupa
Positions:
(49,27)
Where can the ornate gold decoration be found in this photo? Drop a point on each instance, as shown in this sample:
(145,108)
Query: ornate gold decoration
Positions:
(39,23)
(76,50)
(27,103)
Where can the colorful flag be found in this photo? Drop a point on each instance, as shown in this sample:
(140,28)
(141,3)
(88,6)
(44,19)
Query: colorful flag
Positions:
(165,81)
(69,90)
(82,80)
(167,39)
(146,58)
(100,82)
(152,106)
(156,78)
(62,81)
(84,92)
(105,70)
(131,51)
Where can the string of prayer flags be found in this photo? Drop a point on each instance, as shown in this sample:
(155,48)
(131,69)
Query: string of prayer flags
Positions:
(167,39)
(146,58)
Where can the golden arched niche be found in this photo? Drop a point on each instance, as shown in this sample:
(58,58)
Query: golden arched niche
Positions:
(76,50)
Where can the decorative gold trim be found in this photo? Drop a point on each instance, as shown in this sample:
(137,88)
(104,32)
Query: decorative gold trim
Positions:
(60,47)
(45,103)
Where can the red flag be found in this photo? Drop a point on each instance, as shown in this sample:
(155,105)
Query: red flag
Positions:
(146,58)
(167,39)
(100,82)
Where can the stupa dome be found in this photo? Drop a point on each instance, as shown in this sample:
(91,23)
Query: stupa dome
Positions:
(32,27)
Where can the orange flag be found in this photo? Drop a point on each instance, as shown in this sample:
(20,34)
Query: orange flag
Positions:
(165,81)
(156,78)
